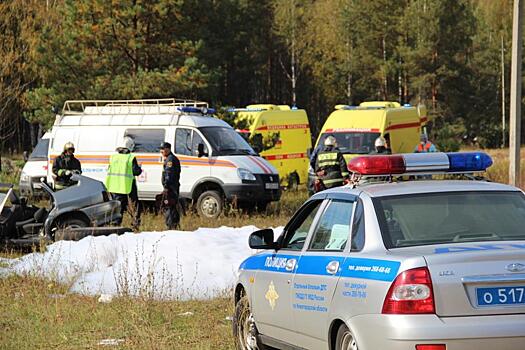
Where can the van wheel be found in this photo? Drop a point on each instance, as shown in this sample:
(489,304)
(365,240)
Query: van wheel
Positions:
(244,329)
(345,339)
(210,204)
(293,182)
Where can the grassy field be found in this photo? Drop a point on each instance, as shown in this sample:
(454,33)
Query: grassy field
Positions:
(37,314)
(40,314)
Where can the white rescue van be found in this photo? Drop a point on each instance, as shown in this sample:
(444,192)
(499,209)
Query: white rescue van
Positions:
(35,168)
(217,164)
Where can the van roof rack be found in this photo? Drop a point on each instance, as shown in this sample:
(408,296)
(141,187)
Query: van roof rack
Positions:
(145,106)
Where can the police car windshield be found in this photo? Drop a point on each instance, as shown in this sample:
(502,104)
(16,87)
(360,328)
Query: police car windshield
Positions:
(452,217)
(353,142)
(226,141)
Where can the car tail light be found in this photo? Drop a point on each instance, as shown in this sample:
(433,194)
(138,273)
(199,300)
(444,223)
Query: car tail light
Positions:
(411,293)
(431,347)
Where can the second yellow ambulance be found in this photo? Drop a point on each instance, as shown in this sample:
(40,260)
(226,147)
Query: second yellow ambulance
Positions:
(281,135)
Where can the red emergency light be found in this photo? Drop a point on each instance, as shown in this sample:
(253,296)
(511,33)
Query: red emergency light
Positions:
(377,165)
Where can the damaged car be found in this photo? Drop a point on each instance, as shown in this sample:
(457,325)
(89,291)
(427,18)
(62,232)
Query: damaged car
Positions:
(85,208)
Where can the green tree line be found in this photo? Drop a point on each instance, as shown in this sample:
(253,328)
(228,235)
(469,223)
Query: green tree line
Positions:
(447,54)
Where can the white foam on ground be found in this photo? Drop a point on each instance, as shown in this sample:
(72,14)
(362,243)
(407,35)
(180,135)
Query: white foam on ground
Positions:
(162,265)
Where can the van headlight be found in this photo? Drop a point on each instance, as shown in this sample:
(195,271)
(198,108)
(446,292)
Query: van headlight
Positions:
(24,177)
(246,175)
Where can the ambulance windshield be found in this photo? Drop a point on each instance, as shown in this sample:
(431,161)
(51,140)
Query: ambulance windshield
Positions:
(226,141)
(353,142)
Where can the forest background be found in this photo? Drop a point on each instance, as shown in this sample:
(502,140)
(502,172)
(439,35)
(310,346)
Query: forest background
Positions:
(452,55)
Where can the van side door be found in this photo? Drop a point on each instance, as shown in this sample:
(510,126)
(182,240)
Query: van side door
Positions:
(193,168)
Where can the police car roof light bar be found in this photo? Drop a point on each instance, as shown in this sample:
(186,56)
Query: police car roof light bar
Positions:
(429,163)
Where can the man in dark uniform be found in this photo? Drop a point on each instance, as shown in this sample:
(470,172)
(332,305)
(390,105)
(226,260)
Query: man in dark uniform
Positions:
(64,166)
(330,166)
(170,182)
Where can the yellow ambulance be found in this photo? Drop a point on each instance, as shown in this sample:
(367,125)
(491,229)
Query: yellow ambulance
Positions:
(281,135)
(357,127)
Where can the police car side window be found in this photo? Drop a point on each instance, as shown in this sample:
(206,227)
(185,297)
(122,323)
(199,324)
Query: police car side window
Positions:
(297,233)
(333,230)
(358,229)
(183,141)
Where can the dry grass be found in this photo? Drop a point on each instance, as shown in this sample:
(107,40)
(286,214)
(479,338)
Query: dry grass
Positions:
(277,214)
(499,171)
(37,314)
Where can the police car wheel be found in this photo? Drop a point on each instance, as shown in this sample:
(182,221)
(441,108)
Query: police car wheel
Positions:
(244,328)
(209,204)
(345,339)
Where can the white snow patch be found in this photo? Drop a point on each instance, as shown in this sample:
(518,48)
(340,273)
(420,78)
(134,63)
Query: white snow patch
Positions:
(161,265)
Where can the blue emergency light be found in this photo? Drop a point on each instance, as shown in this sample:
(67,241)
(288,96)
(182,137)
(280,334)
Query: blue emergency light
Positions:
(201,110)
(469,161)
(409,163)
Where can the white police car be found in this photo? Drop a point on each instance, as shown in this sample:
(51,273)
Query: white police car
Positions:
(386,265)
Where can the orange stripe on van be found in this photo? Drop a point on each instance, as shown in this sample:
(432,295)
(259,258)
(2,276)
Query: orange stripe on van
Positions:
(403,126)
(153,160)
(283,127)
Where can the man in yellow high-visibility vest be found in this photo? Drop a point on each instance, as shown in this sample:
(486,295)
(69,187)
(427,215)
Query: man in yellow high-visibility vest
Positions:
(120,180)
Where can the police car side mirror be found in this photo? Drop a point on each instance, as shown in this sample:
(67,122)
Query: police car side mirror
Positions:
(262,239)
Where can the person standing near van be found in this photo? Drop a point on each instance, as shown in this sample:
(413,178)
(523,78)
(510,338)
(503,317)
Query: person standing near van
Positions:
(120,180)
(64,166)
(171,183)
(425,146)
(330,166)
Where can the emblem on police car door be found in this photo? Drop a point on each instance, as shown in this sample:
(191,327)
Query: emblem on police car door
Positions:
(271,295)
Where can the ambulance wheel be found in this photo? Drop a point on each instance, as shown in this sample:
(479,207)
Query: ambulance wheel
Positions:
(244,329)
(345,339)
(210,204)
(293,182)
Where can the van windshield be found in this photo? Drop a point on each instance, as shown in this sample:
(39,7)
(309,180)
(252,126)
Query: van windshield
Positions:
(226,141)
(353,142)
(40,151)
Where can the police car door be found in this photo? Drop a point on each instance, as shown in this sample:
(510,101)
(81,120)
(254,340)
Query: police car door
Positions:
(271,301)
(318,273)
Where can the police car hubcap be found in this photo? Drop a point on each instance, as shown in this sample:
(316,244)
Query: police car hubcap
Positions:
(249,333)
(348,342)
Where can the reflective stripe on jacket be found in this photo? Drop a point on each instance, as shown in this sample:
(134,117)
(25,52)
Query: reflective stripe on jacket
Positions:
(332,162)
(120,173)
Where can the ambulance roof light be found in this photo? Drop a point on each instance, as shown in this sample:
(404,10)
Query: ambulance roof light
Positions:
(460,162)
